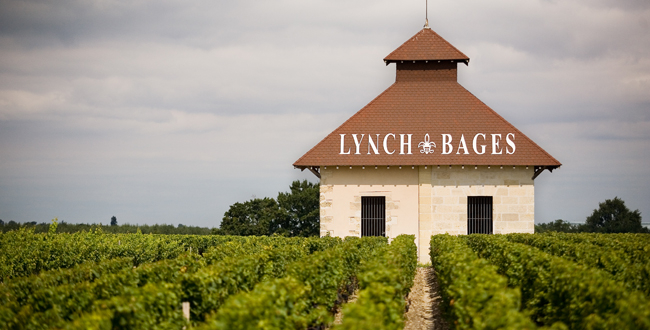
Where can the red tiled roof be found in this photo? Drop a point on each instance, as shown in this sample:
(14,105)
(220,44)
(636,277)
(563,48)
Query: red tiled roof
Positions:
(425,99)
(419,108)
(426,45)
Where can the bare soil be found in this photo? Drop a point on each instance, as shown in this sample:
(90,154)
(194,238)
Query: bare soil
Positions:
(338,318)
(423,303)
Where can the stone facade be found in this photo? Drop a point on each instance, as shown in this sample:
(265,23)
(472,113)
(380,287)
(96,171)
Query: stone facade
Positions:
(340,199)
(426,200)
(443,193)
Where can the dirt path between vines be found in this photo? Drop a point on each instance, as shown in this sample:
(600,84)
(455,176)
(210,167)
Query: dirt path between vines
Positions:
(338,318)
(424,312)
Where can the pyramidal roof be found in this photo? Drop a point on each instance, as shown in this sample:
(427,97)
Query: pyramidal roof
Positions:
(426,45)
(426,118)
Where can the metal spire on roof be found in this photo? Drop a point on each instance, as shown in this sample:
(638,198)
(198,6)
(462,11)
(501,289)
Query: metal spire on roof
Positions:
(426,15)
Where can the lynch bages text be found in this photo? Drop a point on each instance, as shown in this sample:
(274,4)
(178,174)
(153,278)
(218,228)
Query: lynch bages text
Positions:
(402,144)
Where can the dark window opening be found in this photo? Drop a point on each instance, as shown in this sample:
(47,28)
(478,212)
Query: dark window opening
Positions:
(479,215)
(373,216)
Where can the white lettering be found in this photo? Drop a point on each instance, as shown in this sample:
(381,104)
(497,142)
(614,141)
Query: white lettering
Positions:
(495,144)
(405,144)
(372,145)
(386,143)
(446,144)
(482,145)
(357,143)
(462,145)
(402,144)
(342,148)
(511,143)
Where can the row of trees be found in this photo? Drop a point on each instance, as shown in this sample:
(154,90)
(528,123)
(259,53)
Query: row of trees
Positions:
(612,216)
(294,213)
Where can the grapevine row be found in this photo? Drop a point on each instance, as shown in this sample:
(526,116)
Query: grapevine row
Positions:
(623,267)
(384,281)
(62,303)
(305,297)
(474,295)
(556,289)
(206,289)
(23,252)
(635,246)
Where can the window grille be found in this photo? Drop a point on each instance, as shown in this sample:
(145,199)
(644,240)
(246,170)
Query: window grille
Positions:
(479,215)
(373,216)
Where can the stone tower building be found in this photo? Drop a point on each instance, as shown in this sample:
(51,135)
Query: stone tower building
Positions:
(426,157)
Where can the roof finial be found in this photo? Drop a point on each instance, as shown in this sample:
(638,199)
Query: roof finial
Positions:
(426,15)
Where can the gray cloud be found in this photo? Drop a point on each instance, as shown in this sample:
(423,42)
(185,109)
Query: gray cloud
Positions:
(169,111)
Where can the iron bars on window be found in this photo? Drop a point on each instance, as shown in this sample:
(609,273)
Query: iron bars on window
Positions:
(479,215)
(373,216)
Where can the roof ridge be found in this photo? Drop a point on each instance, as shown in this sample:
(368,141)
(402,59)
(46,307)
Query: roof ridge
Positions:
(414,49)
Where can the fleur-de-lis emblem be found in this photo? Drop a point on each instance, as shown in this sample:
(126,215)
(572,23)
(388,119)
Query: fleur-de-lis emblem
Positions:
(427,145)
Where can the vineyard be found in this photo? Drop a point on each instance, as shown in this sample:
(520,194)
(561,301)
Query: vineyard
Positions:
(557,281)
(94,280)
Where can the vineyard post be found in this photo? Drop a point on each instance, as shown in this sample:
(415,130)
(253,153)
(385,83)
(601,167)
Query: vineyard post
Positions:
(186,310)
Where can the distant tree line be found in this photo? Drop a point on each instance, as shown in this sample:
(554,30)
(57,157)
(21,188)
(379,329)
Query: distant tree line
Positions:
(297,213)
(64,227)
(612,216)
(294,213)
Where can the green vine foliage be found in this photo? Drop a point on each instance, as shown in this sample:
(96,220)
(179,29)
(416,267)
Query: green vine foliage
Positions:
(52,229)
(110,285)
(557,289)
(95,280)
(474,295)
(102,292)
(24,252)
(385,278)
(305,297)
(633,269)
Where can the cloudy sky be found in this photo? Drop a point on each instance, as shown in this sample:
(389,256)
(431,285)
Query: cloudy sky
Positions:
(165,111)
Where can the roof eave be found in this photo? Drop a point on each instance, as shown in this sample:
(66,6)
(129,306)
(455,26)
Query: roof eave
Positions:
(461,60)
(549,167)
(313,169)
(536,168)
(540,169)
